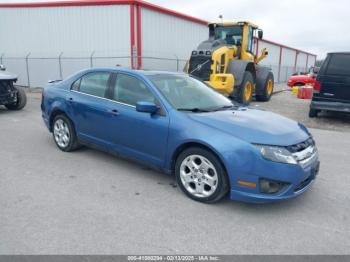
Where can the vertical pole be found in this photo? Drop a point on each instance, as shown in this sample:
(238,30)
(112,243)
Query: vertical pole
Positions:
(27,68)
(296,61)
(279,65)
(1,58)
(60,65)
(134,58)
(91,56)
(132,35)
(177,63)
(139,37)
(307,61)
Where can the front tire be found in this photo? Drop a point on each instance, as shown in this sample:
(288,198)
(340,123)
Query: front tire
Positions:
(265,94)
(64,134)
(200,175)
(21,100)
(245,91)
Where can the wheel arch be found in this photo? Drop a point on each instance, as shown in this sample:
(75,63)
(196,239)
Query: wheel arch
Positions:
(190,144)
(56,112)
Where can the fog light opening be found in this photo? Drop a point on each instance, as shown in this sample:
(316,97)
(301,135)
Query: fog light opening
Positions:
(270,186)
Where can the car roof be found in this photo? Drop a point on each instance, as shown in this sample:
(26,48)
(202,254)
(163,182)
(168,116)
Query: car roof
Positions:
(133,71)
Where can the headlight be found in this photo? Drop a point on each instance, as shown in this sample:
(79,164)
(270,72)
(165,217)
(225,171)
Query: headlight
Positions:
(276,154)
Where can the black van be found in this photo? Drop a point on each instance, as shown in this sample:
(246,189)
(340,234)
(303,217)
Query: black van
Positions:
(332,86)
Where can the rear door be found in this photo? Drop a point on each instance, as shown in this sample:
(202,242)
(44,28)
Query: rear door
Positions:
(335,78)
(91,109)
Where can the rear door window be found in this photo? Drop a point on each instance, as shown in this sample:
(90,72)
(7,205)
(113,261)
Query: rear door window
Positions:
(339,64)
(95,84)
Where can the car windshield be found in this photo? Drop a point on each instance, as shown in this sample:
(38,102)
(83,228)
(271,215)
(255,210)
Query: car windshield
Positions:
(186,93)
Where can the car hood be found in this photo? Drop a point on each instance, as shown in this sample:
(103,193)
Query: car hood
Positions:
(4,75)
(254,126)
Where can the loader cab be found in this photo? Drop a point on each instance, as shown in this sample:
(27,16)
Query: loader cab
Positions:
(239,34)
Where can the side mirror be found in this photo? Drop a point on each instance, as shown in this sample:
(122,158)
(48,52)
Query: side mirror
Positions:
(260,34)
(2,68)
(146,107)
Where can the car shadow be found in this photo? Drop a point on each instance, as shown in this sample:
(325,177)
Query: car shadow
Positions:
(162,179)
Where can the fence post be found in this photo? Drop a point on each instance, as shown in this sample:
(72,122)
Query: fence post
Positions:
(27,68)
(60,65)
(1,58)
(92,54)
(177,63)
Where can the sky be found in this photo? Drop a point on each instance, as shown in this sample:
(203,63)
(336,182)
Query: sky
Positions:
(317,26)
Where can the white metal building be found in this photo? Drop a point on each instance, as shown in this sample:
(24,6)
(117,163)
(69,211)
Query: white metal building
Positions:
(50,40)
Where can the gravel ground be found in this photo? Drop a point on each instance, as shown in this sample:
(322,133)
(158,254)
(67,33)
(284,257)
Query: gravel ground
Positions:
(284,103)
(89,202)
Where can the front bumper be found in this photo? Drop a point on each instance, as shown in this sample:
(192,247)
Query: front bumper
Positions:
(297,177)
(296,187)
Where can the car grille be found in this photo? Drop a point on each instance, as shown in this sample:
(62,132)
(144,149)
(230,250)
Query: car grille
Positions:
(301,146)
(200,67)
(304,184)
(305,152)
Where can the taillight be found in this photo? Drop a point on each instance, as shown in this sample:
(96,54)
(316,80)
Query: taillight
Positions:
(317,86)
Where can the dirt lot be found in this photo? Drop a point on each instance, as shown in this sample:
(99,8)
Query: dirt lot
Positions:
(286,104)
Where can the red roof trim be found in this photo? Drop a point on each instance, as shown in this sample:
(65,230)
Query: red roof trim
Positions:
(106,2)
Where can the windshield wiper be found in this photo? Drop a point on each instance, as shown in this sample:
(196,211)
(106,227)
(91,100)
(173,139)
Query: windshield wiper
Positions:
(195,110)
(226,107)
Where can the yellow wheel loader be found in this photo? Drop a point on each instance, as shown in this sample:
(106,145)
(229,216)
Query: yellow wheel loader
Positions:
(226,61)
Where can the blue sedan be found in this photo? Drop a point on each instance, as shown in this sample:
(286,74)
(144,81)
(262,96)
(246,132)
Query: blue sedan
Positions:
(177,124)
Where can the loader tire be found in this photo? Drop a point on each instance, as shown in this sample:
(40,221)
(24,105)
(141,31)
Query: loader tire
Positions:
(245,90)
(265,94)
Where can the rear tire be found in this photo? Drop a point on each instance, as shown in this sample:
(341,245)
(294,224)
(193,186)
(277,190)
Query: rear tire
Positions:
(64,133)
(313,112)
(200,175)
(245,90)
(21,100)
(265,94)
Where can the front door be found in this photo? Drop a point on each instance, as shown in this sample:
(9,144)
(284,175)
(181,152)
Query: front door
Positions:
(140,135)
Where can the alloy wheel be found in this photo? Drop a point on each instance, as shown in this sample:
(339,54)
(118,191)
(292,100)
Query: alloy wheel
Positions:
(61,133)
(198,176)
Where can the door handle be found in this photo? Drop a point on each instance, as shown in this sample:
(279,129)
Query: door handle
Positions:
(114,112)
